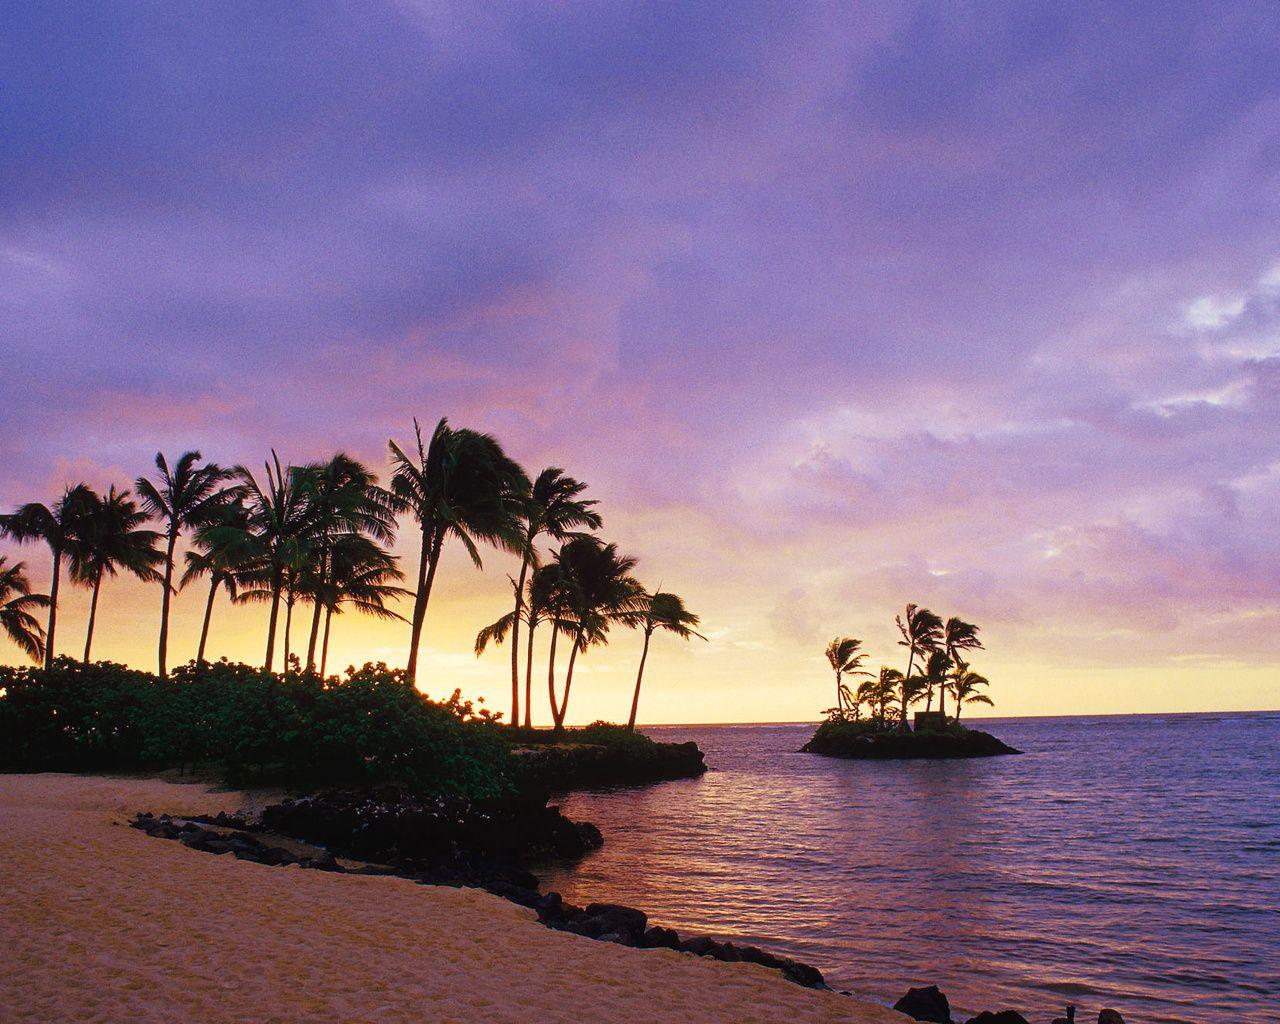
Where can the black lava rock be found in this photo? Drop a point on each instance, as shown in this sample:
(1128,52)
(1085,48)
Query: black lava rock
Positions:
(925,1004)
(1003,1017)
(660,938)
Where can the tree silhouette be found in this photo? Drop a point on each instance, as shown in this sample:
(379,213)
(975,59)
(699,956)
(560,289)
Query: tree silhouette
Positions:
(185,496)
(61,528)
(16,604)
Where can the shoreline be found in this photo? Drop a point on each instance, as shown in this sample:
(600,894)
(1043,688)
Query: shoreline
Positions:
(102,921)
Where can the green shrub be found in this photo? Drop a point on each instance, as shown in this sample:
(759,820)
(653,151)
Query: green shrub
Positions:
(370,726)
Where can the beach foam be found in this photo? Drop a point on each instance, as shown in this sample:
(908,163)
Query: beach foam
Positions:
(101,923)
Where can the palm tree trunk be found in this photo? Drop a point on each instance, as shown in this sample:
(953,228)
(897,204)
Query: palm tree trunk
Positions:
(528,679)
(208,614)
(568,682)
(288,625)
(426,576)
(93,614)
(273,620)
(839,698)
(163,653)
(315,617)
(551,676)
(902,726)
(942,699)
(635,697)
(324,647)
(53,608)
(515,642)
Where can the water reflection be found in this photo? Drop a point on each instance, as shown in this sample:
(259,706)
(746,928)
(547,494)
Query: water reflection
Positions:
(1121,860)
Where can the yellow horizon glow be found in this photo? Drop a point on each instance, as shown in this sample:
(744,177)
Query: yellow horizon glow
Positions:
(742,675)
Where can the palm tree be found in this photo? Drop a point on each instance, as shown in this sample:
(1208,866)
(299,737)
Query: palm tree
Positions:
(551,507)
(223,549)
(957,636)
(16,602)
(182,497)
(112,539)
(60,527)
(345,500)
(965,686)
(660,610)
(910,692)
(362,576)
(461,484)
(879,693)
(937,668)
(843,656)
(275,537)
(539,603)
(598,590)
(921,632)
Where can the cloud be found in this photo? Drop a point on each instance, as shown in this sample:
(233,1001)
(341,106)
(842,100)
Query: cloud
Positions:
(834,308)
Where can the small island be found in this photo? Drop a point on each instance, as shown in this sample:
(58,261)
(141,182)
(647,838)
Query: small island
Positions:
(871,722)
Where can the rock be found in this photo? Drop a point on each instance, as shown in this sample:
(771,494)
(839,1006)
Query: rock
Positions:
(660,938)
(1109,1016)
(854,740)
(925,1004)
(1003,1017)
(625,919)
(700,945)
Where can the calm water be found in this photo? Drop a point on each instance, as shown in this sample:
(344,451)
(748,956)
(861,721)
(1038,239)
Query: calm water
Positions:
(1129,861)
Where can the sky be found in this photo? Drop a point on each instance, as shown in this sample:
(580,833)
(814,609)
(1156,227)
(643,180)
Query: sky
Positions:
(834,307)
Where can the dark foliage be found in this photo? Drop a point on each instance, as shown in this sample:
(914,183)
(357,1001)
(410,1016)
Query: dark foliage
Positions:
(600,754)
(253,726)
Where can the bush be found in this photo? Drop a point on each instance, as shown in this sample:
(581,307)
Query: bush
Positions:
(253,726)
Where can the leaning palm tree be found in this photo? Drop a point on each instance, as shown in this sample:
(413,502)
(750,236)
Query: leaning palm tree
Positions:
(965,686)
(61,528)
(552,508)
(363,577)
(921,632)
(660,610)
(222,549)
(599,591)
(843,657)
(16,604)
(184,496)
(113,539)
(957,636)
(460,484)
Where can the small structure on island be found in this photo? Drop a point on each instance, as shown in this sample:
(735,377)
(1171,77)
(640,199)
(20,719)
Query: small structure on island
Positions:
(930,721)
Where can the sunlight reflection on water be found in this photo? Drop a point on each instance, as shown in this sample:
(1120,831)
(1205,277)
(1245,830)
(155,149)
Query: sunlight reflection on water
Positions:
(1121,861)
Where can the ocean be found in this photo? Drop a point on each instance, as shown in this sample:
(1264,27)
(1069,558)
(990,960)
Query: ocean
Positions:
(1128,861)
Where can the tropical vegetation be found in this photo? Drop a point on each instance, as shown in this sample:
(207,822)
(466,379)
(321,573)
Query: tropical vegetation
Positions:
(310,542)
(937,653)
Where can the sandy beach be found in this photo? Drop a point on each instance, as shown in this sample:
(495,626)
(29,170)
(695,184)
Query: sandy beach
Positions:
(100,922)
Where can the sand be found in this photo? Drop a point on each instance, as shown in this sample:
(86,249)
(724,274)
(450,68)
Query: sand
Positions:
(100,922)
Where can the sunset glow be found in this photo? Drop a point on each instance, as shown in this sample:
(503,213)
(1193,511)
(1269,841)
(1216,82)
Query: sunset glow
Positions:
(832,310)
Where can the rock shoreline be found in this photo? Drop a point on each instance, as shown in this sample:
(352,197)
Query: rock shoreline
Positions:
(446,842)
(452,842)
